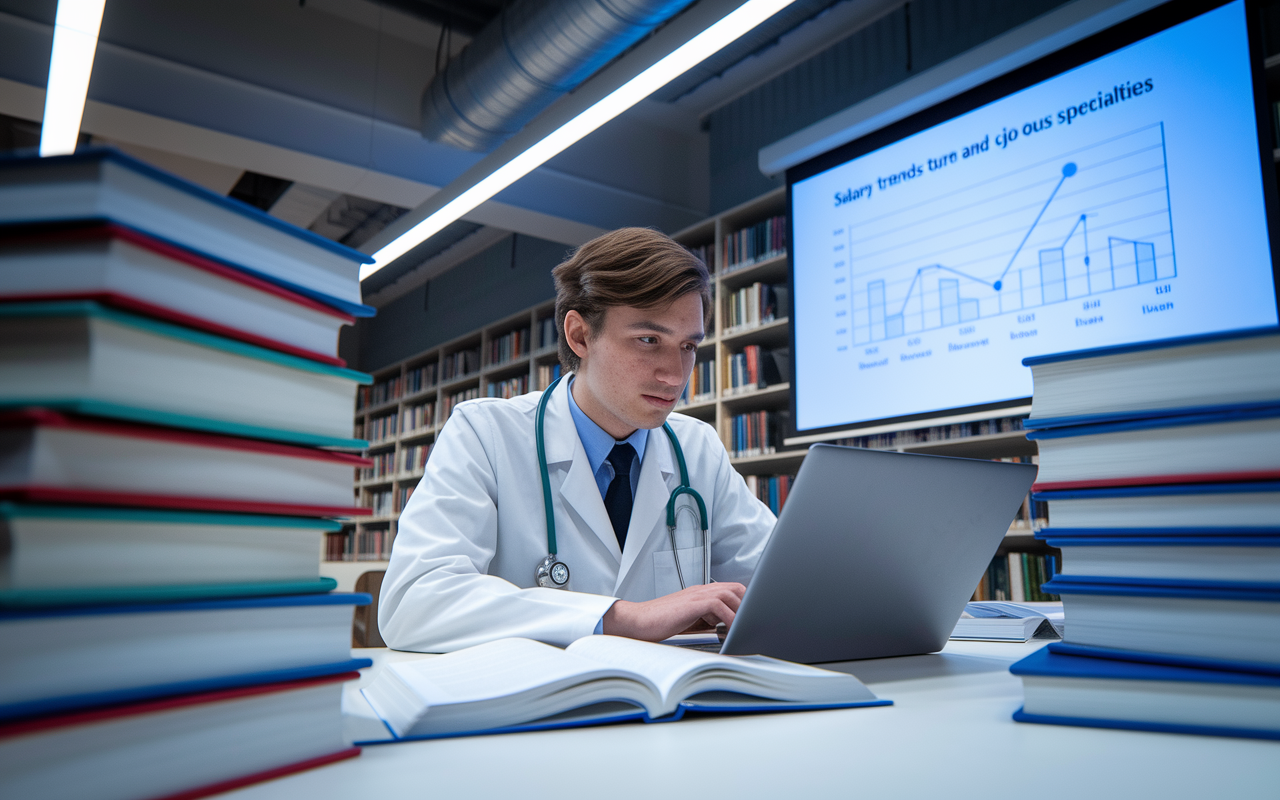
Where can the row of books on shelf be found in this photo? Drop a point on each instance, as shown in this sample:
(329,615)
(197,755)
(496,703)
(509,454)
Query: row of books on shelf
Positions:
(757,433)
(365,544)
(706,254)
(413,459)
(451,401)
(702,384)
(206,477)
(1160,465)
(421,378)
(509,346)
(379,503)
(765,239)
(757,367)
(756,304)
(417,417)
(511,387)
(380,465)
(409,461)
(771,489)
(383,427)
(413,419)
(547,373)
(415,380)
(936,433)
(548,333)
(456,365)
(1017,577)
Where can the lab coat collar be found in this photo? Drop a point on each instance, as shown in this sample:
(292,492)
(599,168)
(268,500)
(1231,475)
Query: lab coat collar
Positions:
(578,489)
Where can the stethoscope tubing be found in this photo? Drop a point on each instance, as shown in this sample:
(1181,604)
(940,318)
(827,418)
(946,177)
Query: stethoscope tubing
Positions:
(546,571)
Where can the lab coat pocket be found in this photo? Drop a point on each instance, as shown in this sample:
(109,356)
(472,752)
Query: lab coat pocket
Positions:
(666,580)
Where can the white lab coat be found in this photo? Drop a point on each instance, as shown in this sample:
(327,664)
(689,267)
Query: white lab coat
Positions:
(470,537)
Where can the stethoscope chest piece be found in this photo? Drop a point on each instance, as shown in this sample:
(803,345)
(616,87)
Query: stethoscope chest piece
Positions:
(552,573)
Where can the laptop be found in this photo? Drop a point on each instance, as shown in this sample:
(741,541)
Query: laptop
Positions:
(875,554)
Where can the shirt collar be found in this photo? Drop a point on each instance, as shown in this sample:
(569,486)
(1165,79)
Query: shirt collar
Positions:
(596,440)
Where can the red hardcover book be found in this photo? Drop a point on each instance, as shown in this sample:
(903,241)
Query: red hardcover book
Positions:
(1162,480)
(753,364)
(137,272)
(182,747)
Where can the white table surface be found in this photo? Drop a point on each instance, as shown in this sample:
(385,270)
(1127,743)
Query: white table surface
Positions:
(948,735)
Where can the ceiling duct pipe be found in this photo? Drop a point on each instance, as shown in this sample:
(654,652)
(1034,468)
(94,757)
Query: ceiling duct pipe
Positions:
(531,54)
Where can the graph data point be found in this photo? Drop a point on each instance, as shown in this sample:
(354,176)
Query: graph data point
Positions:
(1086,261)
(1069,169)
(997,285)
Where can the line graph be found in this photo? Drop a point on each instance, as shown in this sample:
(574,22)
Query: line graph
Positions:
(1091,220)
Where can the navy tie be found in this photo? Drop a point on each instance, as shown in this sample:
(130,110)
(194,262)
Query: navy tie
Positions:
(617,500)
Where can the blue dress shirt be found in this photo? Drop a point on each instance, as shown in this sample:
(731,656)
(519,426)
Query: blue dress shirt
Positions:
(599,443)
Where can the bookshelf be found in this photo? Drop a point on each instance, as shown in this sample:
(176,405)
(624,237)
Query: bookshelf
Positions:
(405,407)
(516,354)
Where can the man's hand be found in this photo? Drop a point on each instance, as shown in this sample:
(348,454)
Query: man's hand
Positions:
(659,619)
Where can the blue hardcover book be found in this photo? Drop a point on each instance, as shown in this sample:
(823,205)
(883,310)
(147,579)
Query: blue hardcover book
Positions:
(1191,662)
(515,685)
(1251,507)
(64,658)
(1171,377)
(177,376)
(1227,446)
(84,555)
(1063,689)
(1204,557)
(1227,621)
(104,184)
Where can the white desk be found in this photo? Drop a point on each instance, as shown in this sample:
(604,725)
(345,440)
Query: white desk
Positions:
(949,735)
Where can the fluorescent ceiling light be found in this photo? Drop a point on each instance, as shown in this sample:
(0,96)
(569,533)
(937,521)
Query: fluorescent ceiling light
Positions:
(676,63)
(75,39)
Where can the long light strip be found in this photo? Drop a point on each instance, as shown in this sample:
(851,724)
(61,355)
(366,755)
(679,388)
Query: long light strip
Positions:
(75,40)
(676,63)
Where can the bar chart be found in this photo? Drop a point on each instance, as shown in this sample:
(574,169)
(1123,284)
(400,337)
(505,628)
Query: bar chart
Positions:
(1088,221)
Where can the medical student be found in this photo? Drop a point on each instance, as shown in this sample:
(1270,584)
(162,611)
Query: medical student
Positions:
(473,544)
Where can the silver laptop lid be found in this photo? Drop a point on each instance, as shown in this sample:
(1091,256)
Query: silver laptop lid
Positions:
(875,554)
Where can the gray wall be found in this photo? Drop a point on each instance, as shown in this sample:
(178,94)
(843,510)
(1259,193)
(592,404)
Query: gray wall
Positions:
(920,35)
(487,287)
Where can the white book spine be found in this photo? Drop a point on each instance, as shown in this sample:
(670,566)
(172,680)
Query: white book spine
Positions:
(1017,588)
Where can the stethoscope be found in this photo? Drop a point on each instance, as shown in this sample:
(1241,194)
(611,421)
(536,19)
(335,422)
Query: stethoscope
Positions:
(552,573)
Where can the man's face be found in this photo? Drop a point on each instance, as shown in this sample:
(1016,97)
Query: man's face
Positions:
(635,368)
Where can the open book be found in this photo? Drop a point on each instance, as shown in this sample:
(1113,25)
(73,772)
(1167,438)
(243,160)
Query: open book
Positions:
(1009,622)
(520,684)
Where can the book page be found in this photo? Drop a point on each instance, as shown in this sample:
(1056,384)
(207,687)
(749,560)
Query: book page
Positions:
(678,672)
(488,671)
(502,684)
(662,665)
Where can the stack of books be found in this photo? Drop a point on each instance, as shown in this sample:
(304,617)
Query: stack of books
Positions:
(170,394)
(1160,464)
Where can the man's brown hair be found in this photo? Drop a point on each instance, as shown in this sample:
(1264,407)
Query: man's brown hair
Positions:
(637,267)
